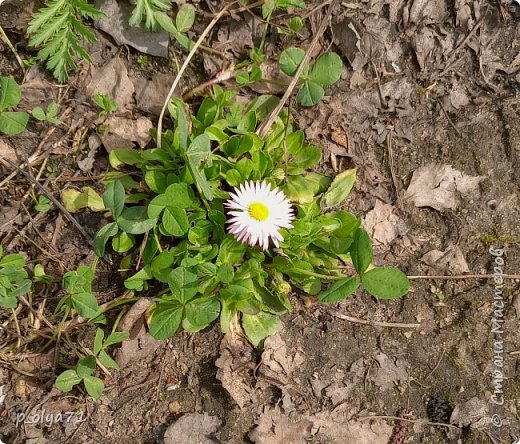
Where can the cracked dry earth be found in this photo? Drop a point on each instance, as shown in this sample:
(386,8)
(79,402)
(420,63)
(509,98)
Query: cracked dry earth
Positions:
(429,114)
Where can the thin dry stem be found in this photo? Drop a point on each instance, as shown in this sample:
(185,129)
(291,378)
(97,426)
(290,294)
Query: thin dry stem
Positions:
(183,68)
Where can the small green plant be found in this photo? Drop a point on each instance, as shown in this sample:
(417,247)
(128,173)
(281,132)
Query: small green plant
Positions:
(106,104)
(83,372)
(14,279)
(197,270)
(183,23)
(78,285)
(49,116)
(43,204)
(11,122)
(325,71)
(58,29)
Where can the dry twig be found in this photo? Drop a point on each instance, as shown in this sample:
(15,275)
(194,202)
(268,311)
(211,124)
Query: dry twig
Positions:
(183,68)
(374,323)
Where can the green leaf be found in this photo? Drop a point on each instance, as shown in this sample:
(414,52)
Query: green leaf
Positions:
(260,326)
(310,93)
(327,69)
(166,319)
(14,260)
(340,290)
(231,251)
(199,150)
(115,338)
(124,156)
(44,204)
(386,283)
(182,283)
(39,114)
(302,189)
(340,188)
(114,198)
(13,123)
(107,361)
(75,200)
(175,221)
(66,380)
(85,304)
(98,341)
(86,366)
(102,237)
(138,280)
(201,312)
(361,250)
(156,181)
(185,17)
(296,23)
(122,242)
(40,275)
(10,93)
(290,59)
(94,386)
(135,220)
(225,273)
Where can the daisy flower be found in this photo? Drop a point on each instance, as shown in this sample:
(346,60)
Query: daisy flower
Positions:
(258,213)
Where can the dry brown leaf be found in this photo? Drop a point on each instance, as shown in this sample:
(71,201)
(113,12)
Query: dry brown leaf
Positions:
(8,152)
(441,187)
(115,23)
(273,427)
(450,261)
(122,132)
(193,428)
(389,371)
(112,79)
(236,364)
(383,224)
(150,94)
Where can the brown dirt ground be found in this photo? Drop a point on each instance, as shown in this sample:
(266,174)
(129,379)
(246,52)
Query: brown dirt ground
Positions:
(442,101)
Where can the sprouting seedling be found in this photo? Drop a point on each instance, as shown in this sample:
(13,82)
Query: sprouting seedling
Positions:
(50,115)
(106,104)
(84,370)
(325,71)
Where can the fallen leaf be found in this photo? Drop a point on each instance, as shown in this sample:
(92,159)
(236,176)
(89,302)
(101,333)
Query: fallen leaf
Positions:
(150,94)
(112,79)
(8,152)
(450,261)
(87,163)
(75,200)
(427,12)
(383,224)
(115,23)
(441,187)
(122,132)
(389,371)
(193,428)
(140,343)
(279,358)
(273,427)
(470,412)
(236,364)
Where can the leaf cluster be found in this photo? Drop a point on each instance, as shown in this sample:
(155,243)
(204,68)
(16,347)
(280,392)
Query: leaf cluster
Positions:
(86,366)
(195,269)
(325,71)
(14,279)
(58,29)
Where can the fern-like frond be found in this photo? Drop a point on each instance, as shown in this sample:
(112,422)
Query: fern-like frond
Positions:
(58,29)
(146,9)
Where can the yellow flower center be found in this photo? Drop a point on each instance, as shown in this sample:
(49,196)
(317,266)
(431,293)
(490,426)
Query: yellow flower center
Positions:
(258,211)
